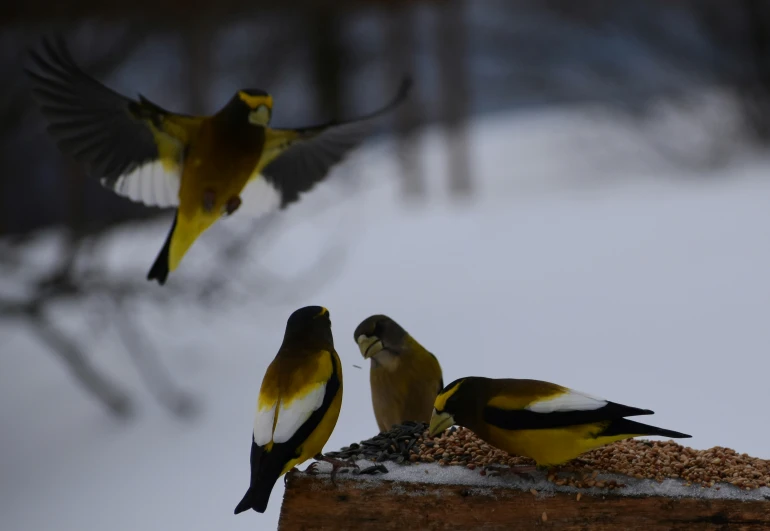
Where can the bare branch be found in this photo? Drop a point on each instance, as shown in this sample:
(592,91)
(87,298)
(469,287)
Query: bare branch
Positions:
(106,392)
(146,359)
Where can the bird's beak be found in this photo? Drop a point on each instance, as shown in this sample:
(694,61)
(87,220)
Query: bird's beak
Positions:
(369,346)
(439,422)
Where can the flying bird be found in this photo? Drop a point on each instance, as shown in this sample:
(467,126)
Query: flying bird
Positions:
(404,376)
(205,167)
(540,420)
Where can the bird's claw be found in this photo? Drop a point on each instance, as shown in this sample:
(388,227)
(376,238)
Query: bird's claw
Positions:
(337,464)
(290,473)
(232,205)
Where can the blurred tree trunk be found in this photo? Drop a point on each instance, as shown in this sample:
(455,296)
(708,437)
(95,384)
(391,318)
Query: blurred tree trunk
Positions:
(758,19)
(401,46)
(325,27)
(197,38)
(455,92)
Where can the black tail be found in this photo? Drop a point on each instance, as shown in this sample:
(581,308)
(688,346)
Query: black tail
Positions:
(264,474)
(631,427)
(255,499)
(159,270)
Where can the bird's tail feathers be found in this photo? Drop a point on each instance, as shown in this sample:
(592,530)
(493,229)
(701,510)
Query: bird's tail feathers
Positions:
(264,474)
(635,429)
(255,498)
(160,268)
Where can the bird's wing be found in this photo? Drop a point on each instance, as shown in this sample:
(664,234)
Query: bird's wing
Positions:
(290,413)
(294,160)
(134,146)
(530,404)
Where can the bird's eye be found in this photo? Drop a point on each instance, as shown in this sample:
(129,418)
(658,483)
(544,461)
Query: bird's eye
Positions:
(379,330)
(260,116)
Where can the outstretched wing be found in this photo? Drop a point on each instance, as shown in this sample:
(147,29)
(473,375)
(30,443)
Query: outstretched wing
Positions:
(134,147)
(294,160)
(556,407)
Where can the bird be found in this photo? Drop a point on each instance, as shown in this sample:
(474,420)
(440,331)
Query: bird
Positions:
(404,377)
(546,422)
(298,405)
(205,167)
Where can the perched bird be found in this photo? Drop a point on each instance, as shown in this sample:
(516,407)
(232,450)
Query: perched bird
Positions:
(298,405)
(543,421)
(205,167)
(405,377)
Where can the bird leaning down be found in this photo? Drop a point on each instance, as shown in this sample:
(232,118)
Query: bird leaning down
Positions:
(546,422)
(405,378)
(205,167)
(298,405)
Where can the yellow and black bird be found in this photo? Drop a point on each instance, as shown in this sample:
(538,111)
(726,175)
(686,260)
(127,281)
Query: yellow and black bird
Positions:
(543,421)
(205,167)
(404,376)
(298,405)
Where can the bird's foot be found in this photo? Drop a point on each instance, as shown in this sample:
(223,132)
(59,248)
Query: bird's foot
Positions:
(337,464)
(523,471)
(232,205)
(209,198)
(291,473)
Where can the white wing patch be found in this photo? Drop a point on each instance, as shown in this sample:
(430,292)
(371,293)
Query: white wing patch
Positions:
(258,198)
(263,424)
(151,184)
(294,414)
(569,401)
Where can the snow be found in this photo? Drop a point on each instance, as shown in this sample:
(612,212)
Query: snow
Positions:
(435,474)
(611,273)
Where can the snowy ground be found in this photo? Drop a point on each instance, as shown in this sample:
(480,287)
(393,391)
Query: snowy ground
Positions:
(644,289)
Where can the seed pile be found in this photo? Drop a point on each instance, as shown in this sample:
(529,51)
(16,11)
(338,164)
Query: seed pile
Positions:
(408,443)
(394,445)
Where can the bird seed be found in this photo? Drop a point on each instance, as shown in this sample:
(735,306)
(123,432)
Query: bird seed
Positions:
(409,443)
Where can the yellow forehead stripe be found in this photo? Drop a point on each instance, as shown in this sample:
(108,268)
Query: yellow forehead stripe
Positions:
(323,311)
(441,399)
(255,101)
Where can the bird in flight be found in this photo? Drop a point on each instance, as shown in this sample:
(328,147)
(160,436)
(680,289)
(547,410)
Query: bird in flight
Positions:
(205,167)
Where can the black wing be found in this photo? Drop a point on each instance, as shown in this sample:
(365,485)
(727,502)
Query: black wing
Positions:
(121,140)
(524,419)
(307,154)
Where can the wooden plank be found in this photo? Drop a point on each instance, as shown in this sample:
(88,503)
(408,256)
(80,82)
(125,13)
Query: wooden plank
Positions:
(313,503)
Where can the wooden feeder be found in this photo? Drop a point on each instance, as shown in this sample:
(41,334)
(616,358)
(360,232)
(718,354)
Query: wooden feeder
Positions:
(414,503)
(412,494)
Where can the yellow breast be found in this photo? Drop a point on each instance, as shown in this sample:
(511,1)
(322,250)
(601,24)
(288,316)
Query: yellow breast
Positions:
(221,159)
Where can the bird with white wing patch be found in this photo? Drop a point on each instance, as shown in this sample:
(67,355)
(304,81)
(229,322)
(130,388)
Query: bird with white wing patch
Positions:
(204,166)
(546,422)
(298,405)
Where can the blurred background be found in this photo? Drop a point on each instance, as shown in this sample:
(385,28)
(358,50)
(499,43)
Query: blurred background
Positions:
(575,191)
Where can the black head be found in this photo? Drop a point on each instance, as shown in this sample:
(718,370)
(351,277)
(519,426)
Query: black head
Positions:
(254,106)
(380,332)
(458,403)
(309,324)
(451,398)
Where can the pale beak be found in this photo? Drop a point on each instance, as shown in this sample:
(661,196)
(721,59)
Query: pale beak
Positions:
(439,422)
(260,116)
(369,346)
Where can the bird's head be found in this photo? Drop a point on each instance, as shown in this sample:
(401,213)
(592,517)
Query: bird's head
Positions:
(454,404)
(377,334)
(252,105)
(309,323)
